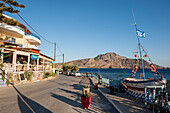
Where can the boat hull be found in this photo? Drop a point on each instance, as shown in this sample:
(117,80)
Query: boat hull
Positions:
(135,87)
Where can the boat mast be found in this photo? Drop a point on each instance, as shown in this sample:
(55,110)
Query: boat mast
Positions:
(139,46)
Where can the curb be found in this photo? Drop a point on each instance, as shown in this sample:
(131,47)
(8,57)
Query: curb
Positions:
(110,101)
(114,105)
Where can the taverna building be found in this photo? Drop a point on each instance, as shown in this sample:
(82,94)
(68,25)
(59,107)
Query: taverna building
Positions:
(19,53)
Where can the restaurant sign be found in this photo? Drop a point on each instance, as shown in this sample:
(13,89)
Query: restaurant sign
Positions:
(34,57)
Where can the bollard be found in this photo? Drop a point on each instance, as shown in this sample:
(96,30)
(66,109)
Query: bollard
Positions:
(111,89)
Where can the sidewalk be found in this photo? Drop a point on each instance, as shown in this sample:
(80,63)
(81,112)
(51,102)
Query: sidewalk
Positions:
(99,102)
(123,102)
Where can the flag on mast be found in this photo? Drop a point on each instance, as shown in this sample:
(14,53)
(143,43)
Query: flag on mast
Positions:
(140,34)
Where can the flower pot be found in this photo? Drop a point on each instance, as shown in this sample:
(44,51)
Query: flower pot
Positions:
(95,87)
(112,89)
(85,102)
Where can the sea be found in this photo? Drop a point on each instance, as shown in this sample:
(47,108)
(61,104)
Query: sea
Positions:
(118,74)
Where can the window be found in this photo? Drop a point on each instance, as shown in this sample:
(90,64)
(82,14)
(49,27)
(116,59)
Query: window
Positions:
(20,45)
(12,40)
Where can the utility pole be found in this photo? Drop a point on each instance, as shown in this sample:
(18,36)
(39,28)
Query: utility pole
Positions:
(63,58)
(55,51)
(98,66)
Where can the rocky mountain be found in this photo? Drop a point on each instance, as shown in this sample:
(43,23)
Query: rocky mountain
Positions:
(110,60)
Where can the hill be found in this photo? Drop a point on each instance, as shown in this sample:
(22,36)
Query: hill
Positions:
(110,60)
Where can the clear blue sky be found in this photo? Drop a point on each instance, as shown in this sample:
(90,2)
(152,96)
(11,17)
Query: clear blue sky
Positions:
(86,28)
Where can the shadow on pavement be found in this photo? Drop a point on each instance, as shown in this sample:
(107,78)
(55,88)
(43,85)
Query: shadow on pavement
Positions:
(27,105)
(66,100)
(68,91)
(77,86)
(76,105)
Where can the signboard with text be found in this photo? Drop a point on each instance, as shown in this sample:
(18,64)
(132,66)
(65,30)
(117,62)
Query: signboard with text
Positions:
(34,57)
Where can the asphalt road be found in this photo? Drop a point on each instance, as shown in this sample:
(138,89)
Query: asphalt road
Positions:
(59,95)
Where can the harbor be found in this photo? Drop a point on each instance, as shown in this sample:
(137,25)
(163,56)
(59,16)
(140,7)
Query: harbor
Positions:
(84,56)
(114,91)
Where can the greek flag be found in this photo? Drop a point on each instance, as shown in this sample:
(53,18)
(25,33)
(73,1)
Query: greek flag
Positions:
(140,34)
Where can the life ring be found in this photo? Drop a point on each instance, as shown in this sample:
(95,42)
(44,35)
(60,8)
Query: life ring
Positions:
(152,68)
(134,70)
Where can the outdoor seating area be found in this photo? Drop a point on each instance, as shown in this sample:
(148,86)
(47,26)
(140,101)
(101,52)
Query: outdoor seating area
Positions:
(16,61)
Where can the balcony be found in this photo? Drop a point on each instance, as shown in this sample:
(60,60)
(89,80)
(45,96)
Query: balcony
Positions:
(12,30)
(33,46)
(33,39)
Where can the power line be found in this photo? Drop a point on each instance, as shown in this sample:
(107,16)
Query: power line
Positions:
(59,48)
(35,30)
(31,26)
(38,33)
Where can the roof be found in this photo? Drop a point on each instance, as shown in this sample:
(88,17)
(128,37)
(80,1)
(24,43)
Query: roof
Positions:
(47,56)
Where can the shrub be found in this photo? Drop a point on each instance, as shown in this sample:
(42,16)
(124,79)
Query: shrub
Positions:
(52,74)
(7,82)
(86,95)
(47,74)
(3,78)
(28,75)
(24,62)
(85,86)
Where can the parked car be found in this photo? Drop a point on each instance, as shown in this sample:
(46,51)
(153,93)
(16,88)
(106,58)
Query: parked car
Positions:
(77,74)
(60,72)
(72,73)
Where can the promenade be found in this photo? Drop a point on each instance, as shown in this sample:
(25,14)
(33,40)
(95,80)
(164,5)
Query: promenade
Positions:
(123,102)
(59,95)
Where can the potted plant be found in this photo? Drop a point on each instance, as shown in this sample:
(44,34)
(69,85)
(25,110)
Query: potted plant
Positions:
(24,66)
(86,101)
(24,62)
(7,82)
(28,75)
(95,86)
(86,89)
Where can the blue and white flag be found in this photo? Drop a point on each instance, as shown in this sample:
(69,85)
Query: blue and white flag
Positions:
(140,34)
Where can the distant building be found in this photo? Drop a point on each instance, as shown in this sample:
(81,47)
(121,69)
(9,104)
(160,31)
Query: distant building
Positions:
(21,53)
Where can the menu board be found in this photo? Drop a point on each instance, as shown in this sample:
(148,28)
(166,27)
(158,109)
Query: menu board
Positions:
(22,76)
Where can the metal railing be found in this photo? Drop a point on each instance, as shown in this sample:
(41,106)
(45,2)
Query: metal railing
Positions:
(109,82)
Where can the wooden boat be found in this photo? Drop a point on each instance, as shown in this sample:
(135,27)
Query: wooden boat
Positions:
(135,86)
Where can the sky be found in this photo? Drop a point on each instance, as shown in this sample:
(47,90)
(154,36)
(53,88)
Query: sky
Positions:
(86,28)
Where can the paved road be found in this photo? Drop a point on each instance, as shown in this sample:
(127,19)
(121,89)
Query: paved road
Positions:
(59,95)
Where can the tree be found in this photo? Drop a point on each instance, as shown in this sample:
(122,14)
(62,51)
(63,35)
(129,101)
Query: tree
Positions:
(70,68)
(76,68)
(7,5)
(64,66)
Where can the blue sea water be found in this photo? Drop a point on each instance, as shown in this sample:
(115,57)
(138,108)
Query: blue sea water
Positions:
(118,74)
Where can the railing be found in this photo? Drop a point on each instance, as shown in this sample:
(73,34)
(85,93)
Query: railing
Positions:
(108,81)
(34,35)
(40,67)
(96,77)
(21,67)
(13,28)
(32,67)
(24,67)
